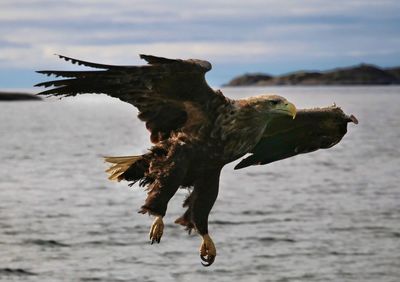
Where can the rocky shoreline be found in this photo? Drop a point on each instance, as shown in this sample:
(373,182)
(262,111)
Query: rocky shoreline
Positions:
(363,74)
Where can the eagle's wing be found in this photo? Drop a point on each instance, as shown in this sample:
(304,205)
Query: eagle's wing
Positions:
(312,129)
(160,90)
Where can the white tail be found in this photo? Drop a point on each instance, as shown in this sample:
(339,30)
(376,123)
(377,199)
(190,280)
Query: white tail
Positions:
(119,166)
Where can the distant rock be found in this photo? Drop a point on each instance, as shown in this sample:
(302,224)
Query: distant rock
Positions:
(249,79)
(16,96)
(362,74)
(394,71)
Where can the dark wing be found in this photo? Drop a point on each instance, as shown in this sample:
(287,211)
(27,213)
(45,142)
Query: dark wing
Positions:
(312,129)
(159,90)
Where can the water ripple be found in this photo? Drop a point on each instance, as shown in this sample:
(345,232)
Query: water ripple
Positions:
(15,271)
(45,243)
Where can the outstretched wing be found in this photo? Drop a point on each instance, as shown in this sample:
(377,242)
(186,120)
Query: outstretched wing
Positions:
(160,90)
(312,129)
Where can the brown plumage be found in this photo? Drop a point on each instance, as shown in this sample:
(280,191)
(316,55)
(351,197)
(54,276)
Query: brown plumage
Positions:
(195,131)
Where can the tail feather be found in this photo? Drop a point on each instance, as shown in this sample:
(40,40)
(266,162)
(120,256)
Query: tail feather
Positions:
(119,166)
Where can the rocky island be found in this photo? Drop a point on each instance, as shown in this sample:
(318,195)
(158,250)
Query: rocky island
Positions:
(17,96)
(363,74)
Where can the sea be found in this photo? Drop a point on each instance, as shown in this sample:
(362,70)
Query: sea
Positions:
(331,215)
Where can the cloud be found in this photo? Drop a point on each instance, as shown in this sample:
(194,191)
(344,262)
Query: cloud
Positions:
(42,55)
(231,33)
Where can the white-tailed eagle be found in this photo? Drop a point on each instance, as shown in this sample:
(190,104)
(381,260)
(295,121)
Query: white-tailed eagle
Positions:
(195,131)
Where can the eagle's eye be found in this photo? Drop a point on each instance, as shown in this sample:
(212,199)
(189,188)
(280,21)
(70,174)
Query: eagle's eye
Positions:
(274,102)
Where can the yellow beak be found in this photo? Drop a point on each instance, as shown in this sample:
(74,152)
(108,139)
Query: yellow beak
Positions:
(286,109)
(291,109)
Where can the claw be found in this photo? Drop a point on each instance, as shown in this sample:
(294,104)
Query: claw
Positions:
(209,260)
(203,258)
(207,251)
(156,230)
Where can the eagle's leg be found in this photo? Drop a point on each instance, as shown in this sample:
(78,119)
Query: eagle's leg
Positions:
(156,204)
(156,230)
(208,252)
(202,200)
(163,189)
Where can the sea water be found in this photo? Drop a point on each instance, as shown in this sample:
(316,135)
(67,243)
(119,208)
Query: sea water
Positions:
(331,215)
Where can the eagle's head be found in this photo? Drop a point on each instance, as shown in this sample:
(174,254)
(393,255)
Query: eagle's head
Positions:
(272,105)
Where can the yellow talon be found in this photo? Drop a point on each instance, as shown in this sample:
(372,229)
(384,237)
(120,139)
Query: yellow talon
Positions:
(156,230)
(208,252)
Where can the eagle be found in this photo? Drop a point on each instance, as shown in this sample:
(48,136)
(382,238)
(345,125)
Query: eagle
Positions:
(195,131)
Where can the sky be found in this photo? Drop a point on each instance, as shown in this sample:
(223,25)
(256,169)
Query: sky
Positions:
(237,37)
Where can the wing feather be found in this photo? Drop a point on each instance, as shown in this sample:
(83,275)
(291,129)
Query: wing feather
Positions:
(312,129)
(157,89)
(89,64)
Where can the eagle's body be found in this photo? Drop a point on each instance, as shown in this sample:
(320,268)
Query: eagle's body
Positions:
(195,131)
